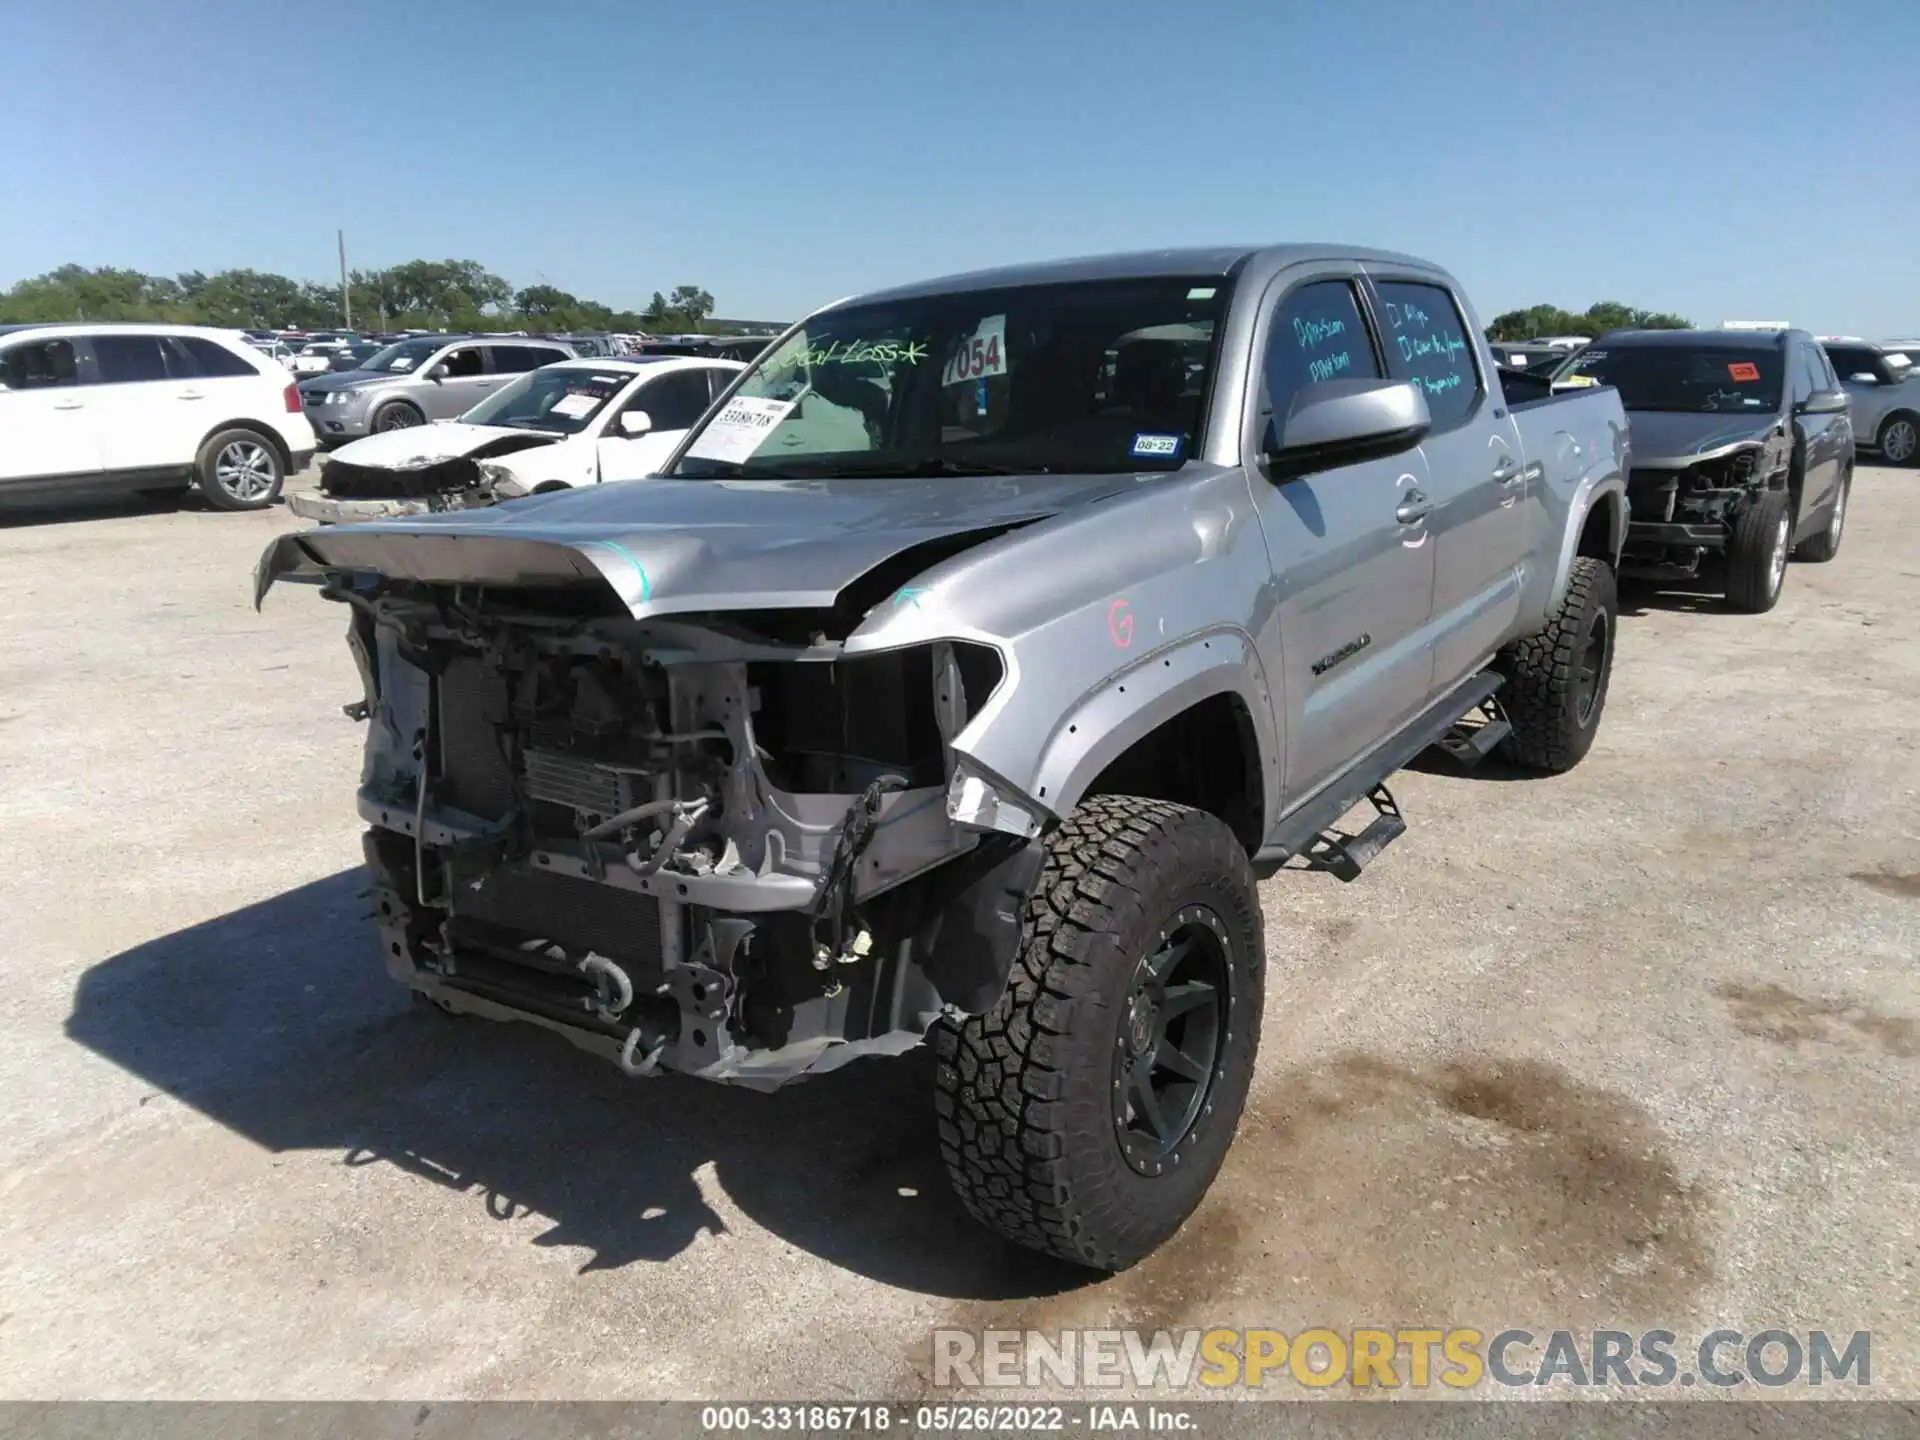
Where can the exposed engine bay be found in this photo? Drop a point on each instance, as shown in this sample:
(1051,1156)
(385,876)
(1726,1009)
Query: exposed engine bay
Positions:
(682,844)
(1679,514)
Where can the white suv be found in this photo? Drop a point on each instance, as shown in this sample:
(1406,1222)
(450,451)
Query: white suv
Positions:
(93,409)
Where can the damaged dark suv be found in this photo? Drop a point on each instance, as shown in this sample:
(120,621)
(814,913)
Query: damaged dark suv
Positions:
(1742,452)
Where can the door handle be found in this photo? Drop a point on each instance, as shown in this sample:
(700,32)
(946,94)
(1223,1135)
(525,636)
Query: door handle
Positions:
(1414,508)
(1506,472)
(191,395)
(68,404)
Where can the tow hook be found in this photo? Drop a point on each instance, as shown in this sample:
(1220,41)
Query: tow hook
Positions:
(615,989)
(647,1065)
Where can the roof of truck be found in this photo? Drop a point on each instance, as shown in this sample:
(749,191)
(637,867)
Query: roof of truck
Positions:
(1208,260)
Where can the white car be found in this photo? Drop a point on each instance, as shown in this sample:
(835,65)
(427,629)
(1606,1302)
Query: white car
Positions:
(92,409)
(317,358)
(577,422)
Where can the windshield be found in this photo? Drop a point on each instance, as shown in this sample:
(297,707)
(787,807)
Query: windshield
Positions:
(1707,380)
(553,401)
(407,355)
(1102,377)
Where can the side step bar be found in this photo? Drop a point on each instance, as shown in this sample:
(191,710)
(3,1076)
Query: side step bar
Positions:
(1470,740)
(1309,832)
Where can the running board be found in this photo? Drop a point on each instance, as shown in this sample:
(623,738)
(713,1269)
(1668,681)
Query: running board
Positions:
(1344,856)
(1300,832)
(1470,743)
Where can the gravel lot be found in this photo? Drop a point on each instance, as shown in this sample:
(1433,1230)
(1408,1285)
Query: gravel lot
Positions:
(1634,1047)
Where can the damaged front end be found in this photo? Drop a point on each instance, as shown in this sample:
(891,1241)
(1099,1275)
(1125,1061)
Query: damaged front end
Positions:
(697,844)
(1682,512)
(352,491)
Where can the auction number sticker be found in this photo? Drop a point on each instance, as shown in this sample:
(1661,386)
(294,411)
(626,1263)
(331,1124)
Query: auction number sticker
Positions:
(576,404)
(1743,370)
(982,354)
(740,429)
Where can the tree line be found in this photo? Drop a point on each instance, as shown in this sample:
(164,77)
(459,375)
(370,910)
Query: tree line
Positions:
(1598,319)
(418,295)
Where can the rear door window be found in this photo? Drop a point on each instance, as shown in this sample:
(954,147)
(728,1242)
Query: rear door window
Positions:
(128,359)
(517,359)
(1318,334)
(191,357)
(1427,342)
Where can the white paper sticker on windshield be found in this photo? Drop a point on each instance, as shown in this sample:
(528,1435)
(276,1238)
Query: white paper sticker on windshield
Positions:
(982,354)
(400,362)
(575,406)
(738,430)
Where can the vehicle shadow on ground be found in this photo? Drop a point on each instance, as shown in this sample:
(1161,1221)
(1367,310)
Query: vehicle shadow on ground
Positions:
(1704,597)
(279,1022)
(15,516)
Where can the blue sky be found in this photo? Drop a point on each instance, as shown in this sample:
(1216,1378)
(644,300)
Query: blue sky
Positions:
(1726,160)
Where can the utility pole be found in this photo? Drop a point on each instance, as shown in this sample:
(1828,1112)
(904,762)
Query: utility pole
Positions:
(346,295)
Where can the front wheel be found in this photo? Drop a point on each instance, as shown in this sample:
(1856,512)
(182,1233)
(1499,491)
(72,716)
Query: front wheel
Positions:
(1088,1112)
(1556,681)
(239,470)
(396,415)
(1757,552)
(1823,547)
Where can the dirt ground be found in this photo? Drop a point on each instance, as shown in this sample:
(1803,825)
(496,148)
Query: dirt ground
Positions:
(1636,1047)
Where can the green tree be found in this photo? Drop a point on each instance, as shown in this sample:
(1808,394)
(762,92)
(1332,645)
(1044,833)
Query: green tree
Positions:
(419,294)
(1596,319)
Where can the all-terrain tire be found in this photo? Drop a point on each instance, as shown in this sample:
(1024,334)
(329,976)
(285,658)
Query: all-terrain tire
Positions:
(239,469)
(1818,549)
(395,415)
(1030,1129)
(1757,552)
(1556,681)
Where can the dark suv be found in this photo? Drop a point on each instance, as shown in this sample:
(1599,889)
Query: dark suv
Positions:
(1742,452)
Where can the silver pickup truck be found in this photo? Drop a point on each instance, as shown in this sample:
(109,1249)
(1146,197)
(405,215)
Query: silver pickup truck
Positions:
(968,664)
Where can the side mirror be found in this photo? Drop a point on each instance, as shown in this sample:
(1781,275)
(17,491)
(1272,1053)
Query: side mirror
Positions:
(1824,402)
(635,423)
(439,372)
(1863,377)
(1341,422)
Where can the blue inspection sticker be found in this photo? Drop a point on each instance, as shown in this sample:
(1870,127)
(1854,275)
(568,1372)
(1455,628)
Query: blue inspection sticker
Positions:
(1156,447)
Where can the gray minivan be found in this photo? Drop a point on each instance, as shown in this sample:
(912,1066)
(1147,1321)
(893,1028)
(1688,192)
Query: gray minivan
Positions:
(429,377)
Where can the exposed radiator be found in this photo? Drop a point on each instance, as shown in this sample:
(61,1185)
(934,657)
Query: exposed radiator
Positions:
(567,780)
(578,914)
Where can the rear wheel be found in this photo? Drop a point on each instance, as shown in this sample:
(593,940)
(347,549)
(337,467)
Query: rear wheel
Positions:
(1900,439)
(239,470)
(1556,681)
(396,415)
(1757,552)
(1823,547)
(1088,1112)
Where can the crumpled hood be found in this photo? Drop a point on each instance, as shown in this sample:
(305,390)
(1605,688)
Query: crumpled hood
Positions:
(427,444)
(1663,438)
(679,546)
